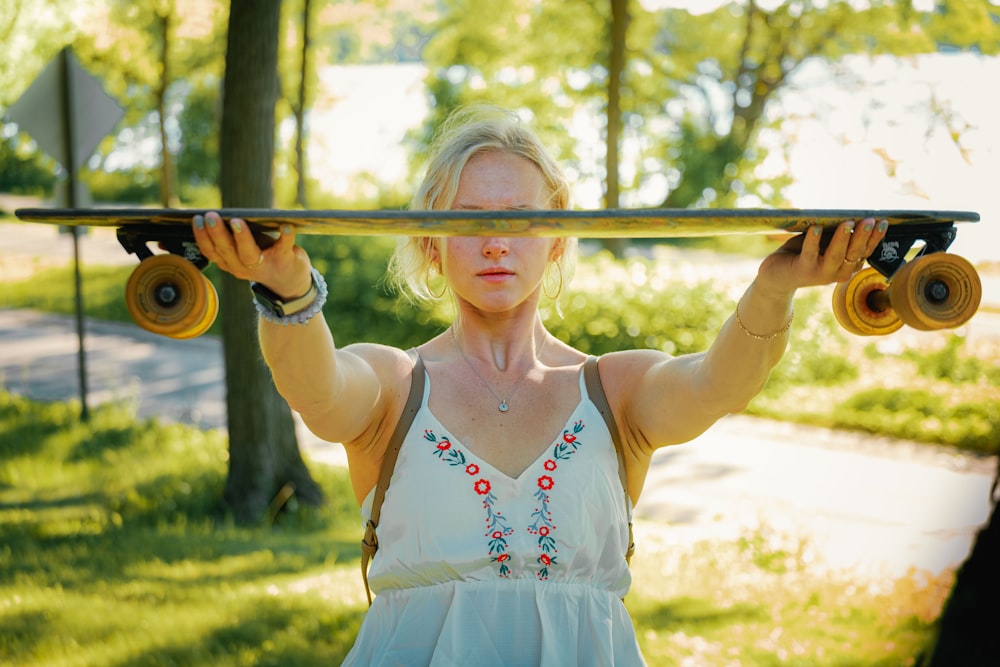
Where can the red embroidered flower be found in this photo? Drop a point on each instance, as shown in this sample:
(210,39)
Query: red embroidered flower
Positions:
(497,534)
(550,465)
(545,559)
(543,531)
(569,437)
(444,444)
(472,469)
(545,483)
(502,557)
(482,487)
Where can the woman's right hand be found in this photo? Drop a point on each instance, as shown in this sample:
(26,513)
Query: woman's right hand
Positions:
(284,267)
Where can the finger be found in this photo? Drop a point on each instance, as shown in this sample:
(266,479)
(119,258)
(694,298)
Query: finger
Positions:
(223,241)
(857,247)
(248,252)
(286,240)
(836,252)
(204,240)
(811,239)
(875,237)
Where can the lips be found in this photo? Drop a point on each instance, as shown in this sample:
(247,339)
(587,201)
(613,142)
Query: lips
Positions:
(495,274)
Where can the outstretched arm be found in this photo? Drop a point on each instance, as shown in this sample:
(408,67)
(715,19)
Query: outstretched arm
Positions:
(337,392)
(676,399)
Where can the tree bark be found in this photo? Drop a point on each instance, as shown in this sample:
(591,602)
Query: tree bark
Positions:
(264,458)
(168,173)
(300,110)
(616,71)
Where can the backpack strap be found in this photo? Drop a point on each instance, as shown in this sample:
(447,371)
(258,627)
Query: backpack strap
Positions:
(595,390)
(369,543)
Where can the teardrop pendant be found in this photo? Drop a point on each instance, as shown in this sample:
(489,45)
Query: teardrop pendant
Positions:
(503,406)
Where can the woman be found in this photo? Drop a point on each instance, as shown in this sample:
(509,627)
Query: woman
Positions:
(504,526)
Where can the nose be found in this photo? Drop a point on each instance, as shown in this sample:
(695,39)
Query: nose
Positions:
(496,246)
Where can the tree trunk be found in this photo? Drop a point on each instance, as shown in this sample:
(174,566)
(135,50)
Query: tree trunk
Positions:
(264,458)
(300,111)
(168,180)
(967,632)
(616,70)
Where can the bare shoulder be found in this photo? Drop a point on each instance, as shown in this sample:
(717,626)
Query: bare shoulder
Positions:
(652,396)
(392,369)
(622,372)
(390,364)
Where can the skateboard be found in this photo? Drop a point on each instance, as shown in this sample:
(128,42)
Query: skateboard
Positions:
(910,278)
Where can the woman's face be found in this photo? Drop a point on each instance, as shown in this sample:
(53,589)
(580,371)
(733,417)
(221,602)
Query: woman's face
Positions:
(497,273)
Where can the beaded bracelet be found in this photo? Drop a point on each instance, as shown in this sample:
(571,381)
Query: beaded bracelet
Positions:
(755,336)
(301,316)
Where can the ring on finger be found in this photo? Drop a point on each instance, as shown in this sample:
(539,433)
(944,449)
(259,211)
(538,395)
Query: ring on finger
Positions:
(255,265)
(851,261)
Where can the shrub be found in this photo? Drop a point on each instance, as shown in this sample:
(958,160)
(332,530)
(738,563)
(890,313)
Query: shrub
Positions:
(918,414)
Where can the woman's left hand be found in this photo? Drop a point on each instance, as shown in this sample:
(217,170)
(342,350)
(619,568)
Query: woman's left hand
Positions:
(802,262)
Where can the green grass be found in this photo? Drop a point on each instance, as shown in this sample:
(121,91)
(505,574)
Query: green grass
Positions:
(763,600)
(114,551)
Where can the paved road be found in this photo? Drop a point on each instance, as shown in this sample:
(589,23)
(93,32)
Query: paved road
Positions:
(862,503)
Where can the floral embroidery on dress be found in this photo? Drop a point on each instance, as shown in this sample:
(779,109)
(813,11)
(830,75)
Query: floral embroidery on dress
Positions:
(543,526)
(497,529)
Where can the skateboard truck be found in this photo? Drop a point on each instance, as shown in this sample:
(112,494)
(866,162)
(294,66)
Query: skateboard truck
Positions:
(176,241)
(932,290)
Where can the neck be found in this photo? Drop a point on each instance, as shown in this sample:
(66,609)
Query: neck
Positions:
(506,349)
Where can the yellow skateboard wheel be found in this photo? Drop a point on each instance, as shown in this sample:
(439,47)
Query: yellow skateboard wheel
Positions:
(168,295)
(861,305)
(936,291)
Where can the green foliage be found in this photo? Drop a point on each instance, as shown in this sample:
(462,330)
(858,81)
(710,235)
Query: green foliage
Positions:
(137,185)
(922,415)
(360,307)
(22,171)
(623,305)
(950,364)
(198,157)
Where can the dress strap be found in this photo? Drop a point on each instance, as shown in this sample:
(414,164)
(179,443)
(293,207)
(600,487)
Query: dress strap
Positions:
(595,390)
(369,543)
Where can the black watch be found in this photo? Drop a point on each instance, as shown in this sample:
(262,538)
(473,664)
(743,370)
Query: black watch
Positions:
(280,307)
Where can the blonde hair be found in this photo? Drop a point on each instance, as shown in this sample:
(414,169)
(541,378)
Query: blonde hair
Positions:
(467,132)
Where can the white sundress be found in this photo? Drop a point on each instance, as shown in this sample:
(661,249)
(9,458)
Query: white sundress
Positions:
(478,568)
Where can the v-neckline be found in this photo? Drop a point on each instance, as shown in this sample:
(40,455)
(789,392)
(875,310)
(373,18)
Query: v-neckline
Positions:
(542,454)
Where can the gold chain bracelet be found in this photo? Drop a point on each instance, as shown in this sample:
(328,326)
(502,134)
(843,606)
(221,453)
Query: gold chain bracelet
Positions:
(755,336)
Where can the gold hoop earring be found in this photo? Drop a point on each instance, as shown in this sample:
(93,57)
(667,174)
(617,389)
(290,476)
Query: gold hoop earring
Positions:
(444,288)
(437,296)
(559,288)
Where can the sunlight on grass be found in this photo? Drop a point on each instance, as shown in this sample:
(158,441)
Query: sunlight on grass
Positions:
(115,551)
(764,599)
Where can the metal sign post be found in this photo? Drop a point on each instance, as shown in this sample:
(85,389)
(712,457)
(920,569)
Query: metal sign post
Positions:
(67,112)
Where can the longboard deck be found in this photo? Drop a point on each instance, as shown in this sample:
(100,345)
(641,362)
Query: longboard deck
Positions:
(608,223)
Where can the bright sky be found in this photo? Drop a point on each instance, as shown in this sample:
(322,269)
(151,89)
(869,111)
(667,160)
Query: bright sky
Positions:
(840,154)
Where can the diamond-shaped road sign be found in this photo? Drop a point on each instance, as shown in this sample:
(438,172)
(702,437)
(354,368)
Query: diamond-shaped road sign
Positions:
(93,113)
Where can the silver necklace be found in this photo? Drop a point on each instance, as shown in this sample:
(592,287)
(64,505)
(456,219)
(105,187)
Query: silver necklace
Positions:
(503,407)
